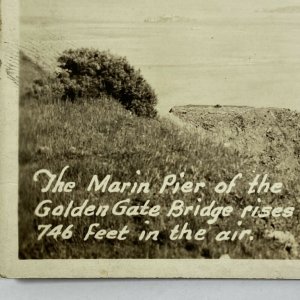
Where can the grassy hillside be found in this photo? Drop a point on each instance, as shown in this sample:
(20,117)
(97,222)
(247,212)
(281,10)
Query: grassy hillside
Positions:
(100,137)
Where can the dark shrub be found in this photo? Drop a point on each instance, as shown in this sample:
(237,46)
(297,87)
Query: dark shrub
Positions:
(91,73)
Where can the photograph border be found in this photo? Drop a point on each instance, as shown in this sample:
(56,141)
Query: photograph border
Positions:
(12,266)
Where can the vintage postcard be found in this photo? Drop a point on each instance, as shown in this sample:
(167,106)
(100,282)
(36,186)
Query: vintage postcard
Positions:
(150,139)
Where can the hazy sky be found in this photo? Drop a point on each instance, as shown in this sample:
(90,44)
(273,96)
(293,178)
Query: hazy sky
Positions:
(242,52)
(139,9)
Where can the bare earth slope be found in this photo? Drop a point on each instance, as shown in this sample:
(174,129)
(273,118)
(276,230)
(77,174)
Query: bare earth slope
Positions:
(269,135)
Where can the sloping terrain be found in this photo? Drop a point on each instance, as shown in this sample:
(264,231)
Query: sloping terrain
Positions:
(271,136)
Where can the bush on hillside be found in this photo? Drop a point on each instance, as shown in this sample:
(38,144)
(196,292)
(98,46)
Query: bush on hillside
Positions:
(91,73)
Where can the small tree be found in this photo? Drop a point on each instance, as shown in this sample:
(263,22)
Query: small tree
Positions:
(91,73)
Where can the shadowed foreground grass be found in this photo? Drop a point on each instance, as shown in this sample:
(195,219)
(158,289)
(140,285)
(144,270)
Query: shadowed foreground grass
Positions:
(94,138)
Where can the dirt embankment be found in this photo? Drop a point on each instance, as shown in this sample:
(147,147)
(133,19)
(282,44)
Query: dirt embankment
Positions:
(268,135)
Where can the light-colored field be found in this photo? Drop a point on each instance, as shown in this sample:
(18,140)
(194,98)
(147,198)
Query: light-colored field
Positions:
(271,136)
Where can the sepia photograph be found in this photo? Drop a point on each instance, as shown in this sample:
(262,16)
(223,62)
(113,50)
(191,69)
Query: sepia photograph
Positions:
(157,130)
(150,106)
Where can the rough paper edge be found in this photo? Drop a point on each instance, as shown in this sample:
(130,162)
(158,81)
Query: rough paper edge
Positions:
(12,267)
